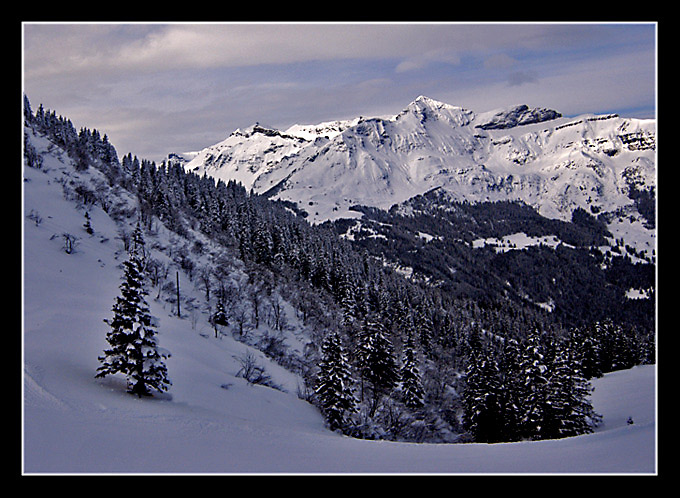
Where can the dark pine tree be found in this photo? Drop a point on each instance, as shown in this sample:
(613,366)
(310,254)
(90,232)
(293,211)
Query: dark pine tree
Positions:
(134,349)
(411,386)
(481,399)
(348,302)
(333,385)
(585,346)
(570,412)
(423,323)
(381,369)
(534,395)
(511,388)
(558,392)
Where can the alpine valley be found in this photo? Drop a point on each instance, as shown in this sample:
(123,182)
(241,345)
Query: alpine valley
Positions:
(522,203)
(436,276)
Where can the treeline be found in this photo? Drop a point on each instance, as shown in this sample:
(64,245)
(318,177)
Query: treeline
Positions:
(403,347)
(85,146)
(537,388)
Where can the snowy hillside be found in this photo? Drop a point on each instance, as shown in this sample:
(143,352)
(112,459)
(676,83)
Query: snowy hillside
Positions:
(212,420)
(550,162)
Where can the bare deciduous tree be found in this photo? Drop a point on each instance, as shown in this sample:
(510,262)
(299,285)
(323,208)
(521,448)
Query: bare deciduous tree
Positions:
(250,370)
(278,318)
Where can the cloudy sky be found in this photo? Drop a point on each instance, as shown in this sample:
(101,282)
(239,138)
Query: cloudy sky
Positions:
(160,88)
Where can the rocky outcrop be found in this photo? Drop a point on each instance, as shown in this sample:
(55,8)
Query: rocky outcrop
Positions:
(518,116)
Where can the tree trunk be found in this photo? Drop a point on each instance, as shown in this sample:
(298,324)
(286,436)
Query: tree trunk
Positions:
(178,308)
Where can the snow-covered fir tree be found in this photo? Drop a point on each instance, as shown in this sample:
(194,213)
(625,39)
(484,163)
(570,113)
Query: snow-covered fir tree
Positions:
(348,302)
(380,368)
(134,349)
(511,389)
(569,412)
(483,414)
(423,323)
(137,243)
(534,387)
(411,386)
(333,385)
(586,350)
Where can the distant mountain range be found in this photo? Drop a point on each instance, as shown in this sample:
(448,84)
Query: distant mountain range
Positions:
(550,162)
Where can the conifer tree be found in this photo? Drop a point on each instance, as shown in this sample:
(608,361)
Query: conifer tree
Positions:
(137,244)
(411,386)
(558,392)
(333,386)
(511,388)
(534,387)
(569,412)
(585,345)
(348,302)
(424,326)
(134,348)
(261,243)
(380,367)
(28,113)
(483,415)
(361,355)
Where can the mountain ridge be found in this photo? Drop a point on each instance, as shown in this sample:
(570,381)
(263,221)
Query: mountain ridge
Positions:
(535,155)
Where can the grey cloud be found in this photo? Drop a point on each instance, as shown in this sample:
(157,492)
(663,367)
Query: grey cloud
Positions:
(517,78)
(78,47)
(180,86)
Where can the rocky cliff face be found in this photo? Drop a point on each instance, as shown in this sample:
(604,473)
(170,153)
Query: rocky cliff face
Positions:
(518,116)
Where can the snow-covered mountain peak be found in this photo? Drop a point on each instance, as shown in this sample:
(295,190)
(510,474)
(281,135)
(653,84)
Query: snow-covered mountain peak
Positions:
(246,154)
(328,129)
(425,108)
(264,131)
(424,102)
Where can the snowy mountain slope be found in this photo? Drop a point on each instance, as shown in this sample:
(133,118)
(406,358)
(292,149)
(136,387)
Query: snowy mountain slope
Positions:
(245,155)
(552,163)
(212,420)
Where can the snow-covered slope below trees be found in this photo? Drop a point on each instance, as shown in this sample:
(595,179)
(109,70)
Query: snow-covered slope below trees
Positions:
(211,420)
(553,163)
